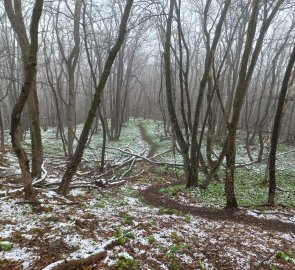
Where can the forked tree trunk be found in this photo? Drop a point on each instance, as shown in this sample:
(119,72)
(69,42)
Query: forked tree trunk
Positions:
(71,61)
(245,76)
(191,156)
(28,85)
(15,16)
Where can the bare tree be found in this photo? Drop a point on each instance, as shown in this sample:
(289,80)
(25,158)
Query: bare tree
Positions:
(245,76)
(188,145)
(76,159)
(71,60)
(15,16)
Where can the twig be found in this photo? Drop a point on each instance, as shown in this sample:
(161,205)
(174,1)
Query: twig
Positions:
(83,186)
(129,169)
(160,154)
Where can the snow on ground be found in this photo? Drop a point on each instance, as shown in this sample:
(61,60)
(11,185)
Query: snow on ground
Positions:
(152,240)
(43,234)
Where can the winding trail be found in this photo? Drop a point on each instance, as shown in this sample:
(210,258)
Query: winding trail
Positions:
(153,146)
(153,196)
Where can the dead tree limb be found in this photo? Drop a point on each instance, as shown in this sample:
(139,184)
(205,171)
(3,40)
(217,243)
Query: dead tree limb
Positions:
(72,263)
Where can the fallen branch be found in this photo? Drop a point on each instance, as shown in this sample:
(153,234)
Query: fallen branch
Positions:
(147,159)
(117,183)
(272,213)
(284,190)
(134,176)
(161,154)
(20,190)
(43,174)
(241,165)
(47,203)
(9,186)
(128,170)
(79,262)
(77,185)
(84,186)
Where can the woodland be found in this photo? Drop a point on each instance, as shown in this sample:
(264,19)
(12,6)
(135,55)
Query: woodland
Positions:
(147,134)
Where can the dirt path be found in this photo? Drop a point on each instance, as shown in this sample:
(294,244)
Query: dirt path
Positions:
(151,143)
(158,199)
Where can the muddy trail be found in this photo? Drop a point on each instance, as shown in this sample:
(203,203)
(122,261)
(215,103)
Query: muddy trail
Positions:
(151,143)
(153,196)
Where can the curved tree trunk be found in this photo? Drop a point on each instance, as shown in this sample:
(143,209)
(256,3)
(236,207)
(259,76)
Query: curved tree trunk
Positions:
(30,55)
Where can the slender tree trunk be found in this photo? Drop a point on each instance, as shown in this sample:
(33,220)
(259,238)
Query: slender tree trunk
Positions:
(104,141)
(76,159)
(36,138)
(194,149)
(242,86)
(17,21)
(29,82)
(1,130)
(245,76)
(71,61)
(276,129)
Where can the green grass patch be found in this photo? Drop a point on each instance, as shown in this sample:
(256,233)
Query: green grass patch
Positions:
(166,211)
(173,190)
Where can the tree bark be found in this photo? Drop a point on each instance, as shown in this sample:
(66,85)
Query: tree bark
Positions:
(29,82)
(245,76)
(231,201)
(1,130)
(276,129)
(14,13)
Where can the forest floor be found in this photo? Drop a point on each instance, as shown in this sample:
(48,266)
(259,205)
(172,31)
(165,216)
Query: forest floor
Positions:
(152,221)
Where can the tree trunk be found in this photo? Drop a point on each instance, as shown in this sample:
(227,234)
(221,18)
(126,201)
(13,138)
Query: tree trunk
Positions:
(245,76)
(76,159)
(29,82)
(17,21)
(276,129)
(36,139)
(104,141)
(231,201)
(1,130)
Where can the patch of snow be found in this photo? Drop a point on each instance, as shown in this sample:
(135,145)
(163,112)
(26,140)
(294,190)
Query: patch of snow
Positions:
(125,255)
(19,254)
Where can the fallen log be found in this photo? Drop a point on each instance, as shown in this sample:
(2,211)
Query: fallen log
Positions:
(72,263)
